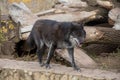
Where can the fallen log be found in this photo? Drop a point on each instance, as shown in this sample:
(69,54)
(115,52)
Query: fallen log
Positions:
(79,4)
(68,1)
(101,49)
(81,58)
(75,4)
(45,12)
(73,16)
(102,35)
(106,4)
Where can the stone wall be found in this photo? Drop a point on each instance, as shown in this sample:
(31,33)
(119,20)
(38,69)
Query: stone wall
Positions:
(20,70)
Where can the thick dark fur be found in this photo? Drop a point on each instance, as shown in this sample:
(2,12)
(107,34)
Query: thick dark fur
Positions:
(51,34)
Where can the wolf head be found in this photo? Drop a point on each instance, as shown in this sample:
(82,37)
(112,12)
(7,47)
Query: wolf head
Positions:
(78,34)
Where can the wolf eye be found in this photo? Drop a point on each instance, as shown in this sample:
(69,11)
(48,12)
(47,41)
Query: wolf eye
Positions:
(77,33)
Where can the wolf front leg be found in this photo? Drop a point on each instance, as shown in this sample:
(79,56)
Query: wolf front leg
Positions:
(71,54)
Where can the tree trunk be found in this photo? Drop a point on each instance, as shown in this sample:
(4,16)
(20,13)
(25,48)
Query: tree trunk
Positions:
(102,35)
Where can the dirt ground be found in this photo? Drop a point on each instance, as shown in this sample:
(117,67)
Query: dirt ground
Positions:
(110,62)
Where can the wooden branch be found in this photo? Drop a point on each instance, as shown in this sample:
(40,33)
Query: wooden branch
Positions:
(78,4)
(45,12)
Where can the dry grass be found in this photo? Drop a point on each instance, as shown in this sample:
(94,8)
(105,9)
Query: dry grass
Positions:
(109,62)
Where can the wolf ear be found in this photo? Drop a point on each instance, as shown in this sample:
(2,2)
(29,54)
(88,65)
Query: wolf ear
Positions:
(77,25)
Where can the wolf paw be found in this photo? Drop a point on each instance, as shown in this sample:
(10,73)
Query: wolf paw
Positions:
(42,64)
(47,66)
(77,69)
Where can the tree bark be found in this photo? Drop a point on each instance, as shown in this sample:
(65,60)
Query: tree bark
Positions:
(102,35)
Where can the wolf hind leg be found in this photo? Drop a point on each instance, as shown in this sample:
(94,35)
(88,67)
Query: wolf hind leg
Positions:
(50,54)
(40,52)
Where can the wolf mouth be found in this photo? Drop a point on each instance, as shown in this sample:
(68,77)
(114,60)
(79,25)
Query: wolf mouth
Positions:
(76,41)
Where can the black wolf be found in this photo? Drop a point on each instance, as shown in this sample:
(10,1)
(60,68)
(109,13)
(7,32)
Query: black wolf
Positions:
(53,35)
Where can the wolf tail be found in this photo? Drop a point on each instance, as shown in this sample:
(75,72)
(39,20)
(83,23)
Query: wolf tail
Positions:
(30,43)
(24,45)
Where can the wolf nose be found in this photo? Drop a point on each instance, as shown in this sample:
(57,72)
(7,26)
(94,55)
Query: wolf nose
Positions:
(79,46)
(81,40)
